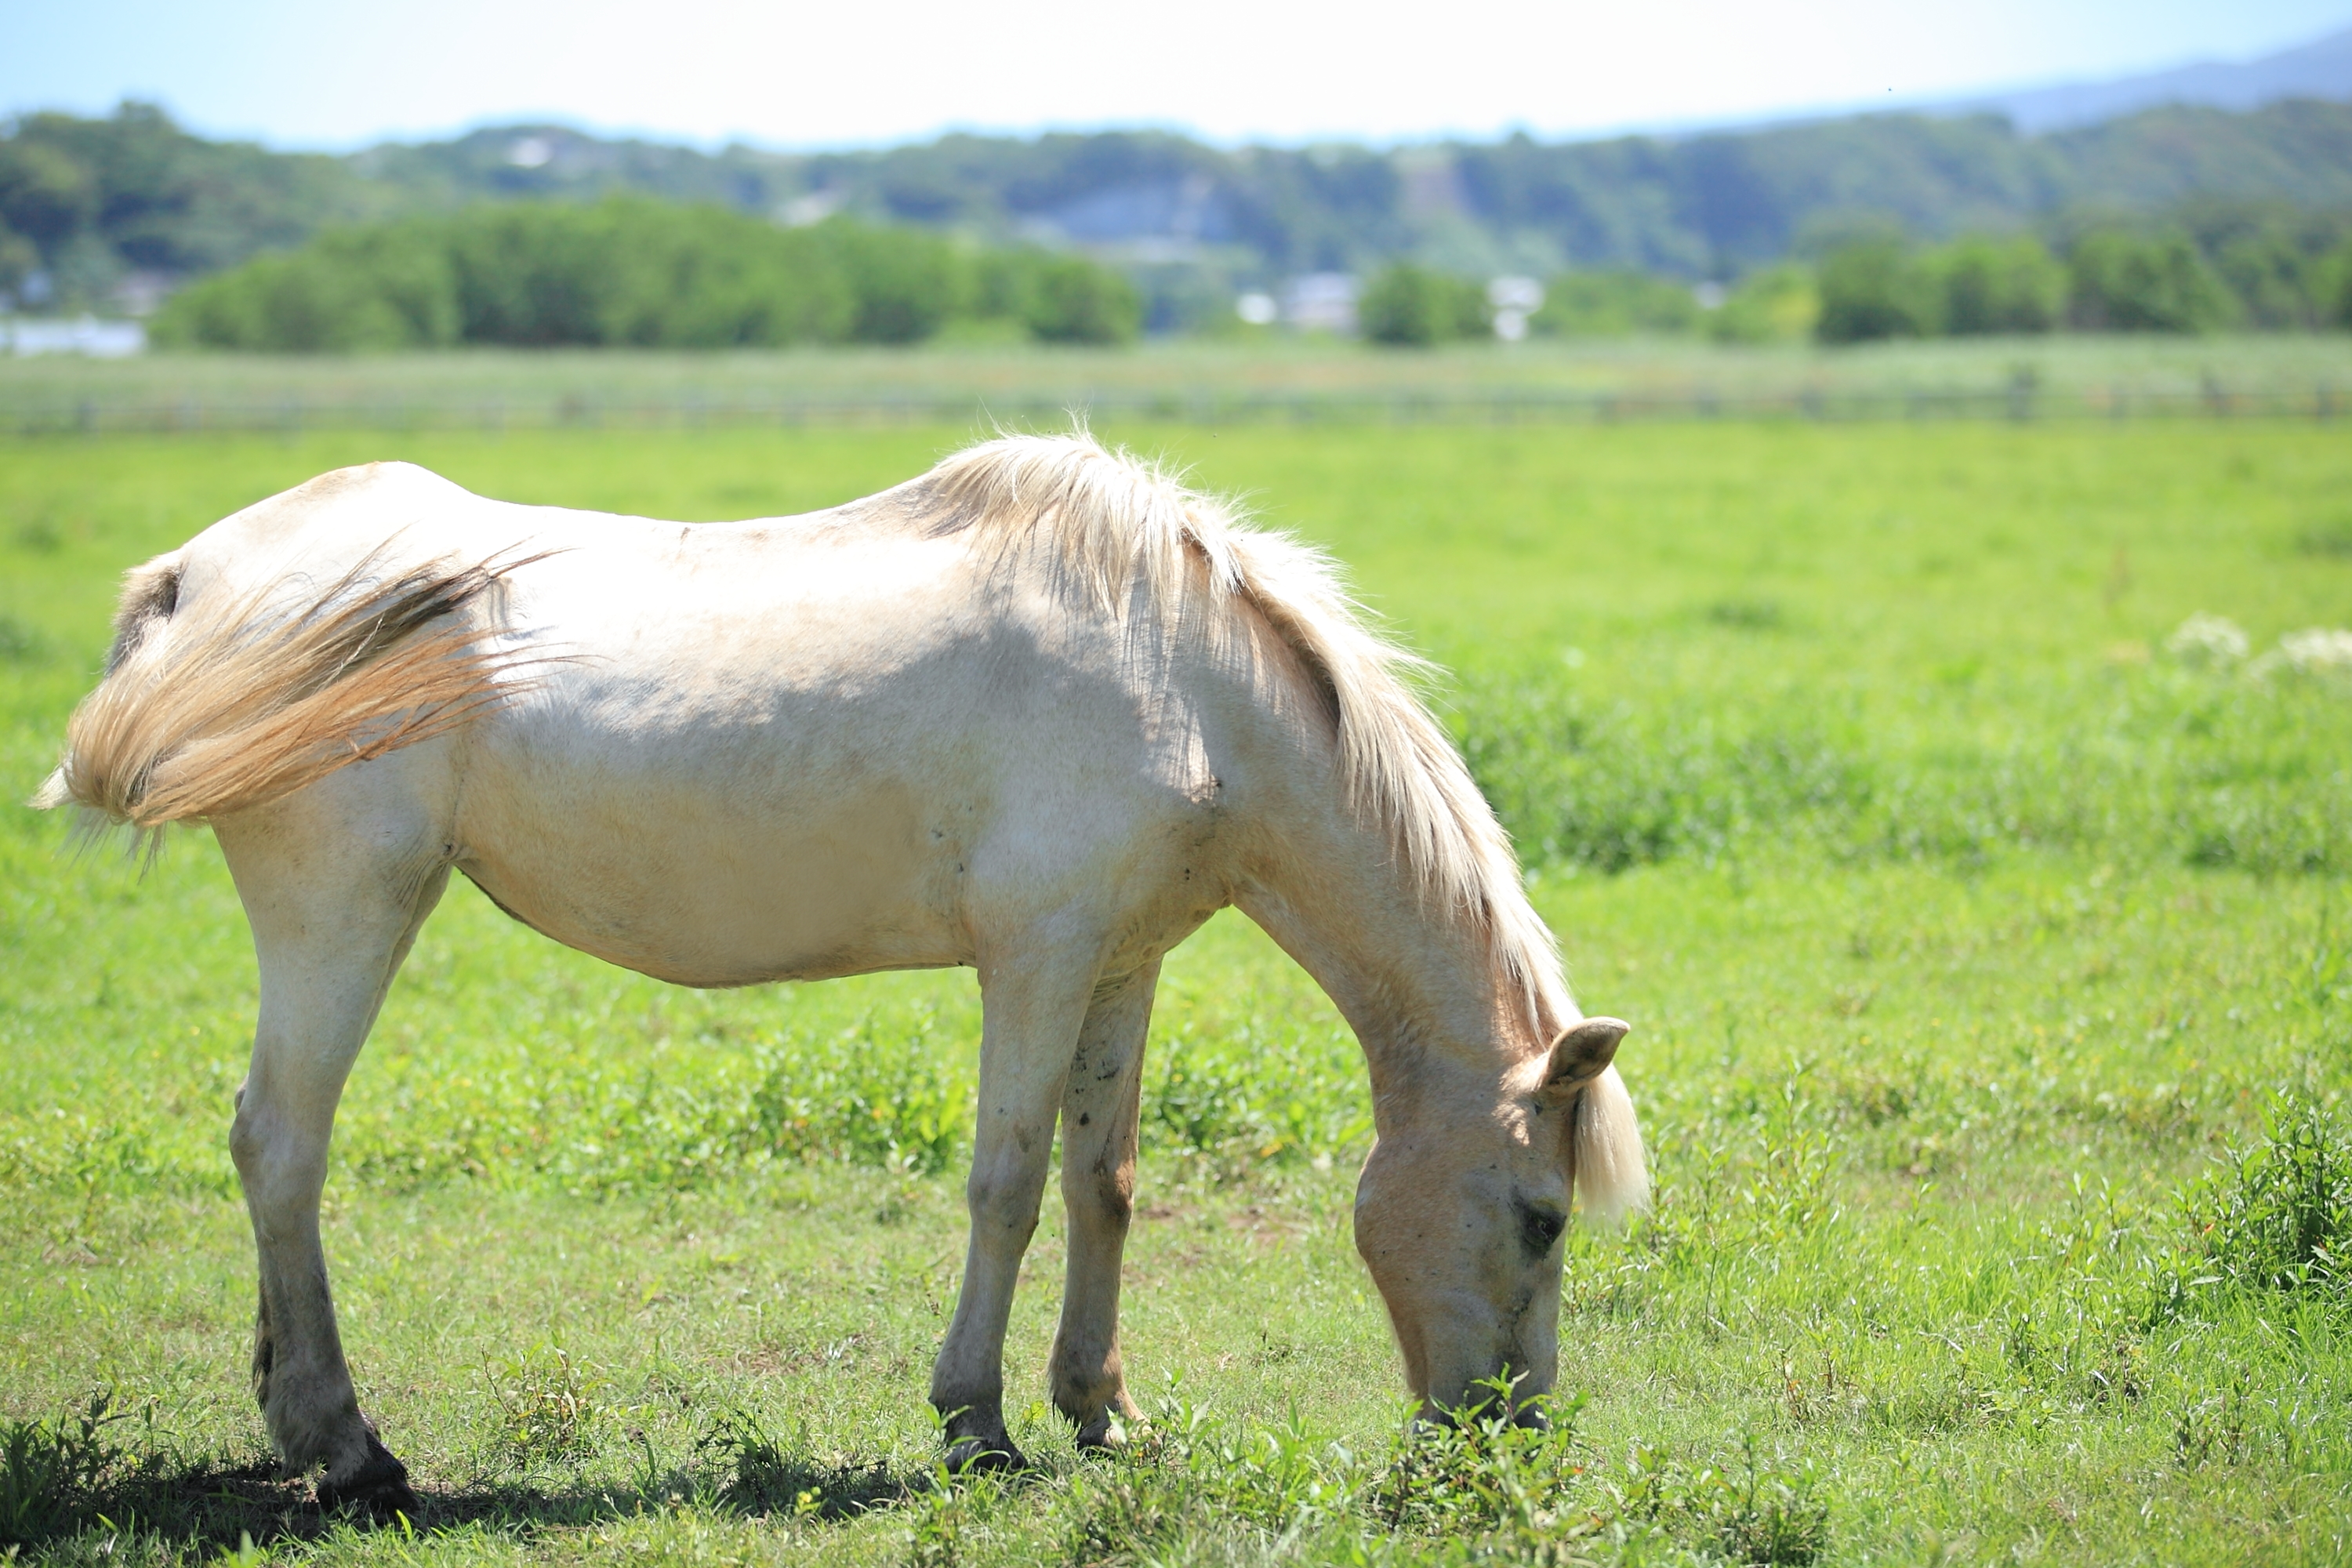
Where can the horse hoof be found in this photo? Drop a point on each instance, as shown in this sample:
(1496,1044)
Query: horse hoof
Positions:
(1107,1435)
(984,1456)
(379,1488)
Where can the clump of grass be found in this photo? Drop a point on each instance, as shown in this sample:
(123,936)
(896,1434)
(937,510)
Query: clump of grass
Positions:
(952,1518)
(2331,540)
(60,1473)
(895,1104)
(20,644)
(1483,1475)
(1758,1514)
(1256,1095)
(2276,1215)
(765,1474)
(550,1409)
(37,537)
(1133,1515)
(1747,614)
(51,1470)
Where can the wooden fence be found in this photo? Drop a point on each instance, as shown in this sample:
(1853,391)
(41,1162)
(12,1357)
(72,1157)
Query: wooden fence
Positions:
(2019,402)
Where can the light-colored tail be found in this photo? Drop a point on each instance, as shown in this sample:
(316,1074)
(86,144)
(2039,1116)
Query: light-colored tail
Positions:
(201,714)
(1611,1178)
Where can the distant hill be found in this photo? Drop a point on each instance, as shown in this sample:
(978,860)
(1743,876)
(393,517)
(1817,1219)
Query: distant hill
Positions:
(1714,203)
(92,205)
(2320,69)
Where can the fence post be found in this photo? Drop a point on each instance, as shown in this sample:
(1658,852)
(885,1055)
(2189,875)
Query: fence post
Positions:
(2023,382)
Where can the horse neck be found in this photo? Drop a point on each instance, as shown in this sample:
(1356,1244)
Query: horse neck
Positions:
(1418,987)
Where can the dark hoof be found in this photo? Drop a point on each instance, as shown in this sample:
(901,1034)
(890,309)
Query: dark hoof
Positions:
(984,1456)
(1107,1434)
(378,1488)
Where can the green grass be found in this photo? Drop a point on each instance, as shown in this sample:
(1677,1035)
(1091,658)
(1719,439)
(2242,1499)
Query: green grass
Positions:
(1971,940)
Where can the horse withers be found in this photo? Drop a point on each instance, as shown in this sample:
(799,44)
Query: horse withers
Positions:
(1040,711)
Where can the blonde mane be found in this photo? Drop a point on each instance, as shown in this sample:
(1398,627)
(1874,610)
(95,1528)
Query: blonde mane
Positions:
(1118,518)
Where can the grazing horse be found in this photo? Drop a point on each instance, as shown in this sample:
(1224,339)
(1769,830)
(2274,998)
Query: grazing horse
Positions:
(1040,711)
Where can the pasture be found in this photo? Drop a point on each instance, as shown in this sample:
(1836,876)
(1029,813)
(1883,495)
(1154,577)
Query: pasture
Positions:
(1988,961)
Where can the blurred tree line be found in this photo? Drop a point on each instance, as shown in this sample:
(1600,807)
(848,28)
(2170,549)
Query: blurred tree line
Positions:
(629,270)
(2205,266)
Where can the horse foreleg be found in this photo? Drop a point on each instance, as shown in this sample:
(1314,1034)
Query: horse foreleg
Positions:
(1030,1018)
(1100,1108)
(330,937)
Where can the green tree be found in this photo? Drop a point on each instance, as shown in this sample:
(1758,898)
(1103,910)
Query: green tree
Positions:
(1992,285)
(1073,300)
(1406,306)
(536,276)
(1778,304)
(385,288)
(2276,282)
(707,279)
(632,270)
(1614,305)
(2120,280)
(46,195)
(17,257)
(1874,288)
(906,283)
(2333,288)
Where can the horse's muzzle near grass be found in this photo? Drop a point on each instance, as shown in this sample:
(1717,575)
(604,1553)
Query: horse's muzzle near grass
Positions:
(1040,711)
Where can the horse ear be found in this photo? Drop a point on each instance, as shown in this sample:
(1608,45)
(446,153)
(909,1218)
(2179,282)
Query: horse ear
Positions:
(1581,1053)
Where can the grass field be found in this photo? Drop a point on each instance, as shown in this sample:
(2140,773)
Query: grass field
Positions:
(1989,965)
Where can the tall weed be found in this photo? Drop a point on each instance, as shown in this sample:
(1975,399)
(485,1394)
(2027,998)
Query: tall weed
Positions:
(2275,1216)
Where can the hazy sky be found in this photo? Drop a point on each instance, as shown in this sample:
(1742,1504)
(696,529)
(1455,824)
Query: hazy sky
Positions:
(304,73)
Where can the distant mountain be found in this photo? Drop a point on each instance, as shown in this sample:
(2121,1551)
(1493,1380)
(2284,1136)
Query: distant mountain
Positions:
(1693,205)
(2320,69)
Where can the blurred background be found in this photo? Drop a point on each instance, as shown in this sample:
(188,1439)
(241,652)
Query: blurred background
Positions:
(1562,208)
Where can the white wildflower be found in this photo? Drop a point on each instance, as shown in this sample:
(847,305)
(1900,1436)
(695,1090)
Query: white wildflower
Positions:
(2317,651)
(2208,640)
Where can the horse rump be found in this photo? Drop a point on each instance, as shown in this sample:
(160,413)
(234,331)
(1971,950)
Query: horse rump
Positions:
(202,714)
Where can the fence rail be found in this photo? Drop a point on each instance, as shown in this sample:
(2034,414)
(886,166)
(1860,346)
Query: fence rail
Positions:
(2017,402)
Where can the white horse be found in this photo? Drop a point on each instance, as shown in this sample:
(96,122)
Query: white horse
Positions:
(1039,712)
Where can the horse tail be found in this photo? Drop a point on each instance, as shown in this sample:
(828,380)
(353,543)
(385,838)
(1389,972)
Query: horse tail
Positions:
(200,715)
(1611,1178)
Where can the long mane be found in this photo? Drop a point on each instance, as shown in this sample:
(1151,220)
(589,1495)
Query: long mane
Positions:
(1117,520)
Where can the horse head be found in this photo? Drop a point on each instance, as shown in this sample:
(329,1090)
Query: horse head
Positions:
(1465,1198)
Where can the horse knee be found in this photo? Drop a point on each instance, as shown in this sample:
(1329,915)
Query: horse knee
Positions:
(1002,1201)
(277,1166)
(247,1142)
(1101,1197)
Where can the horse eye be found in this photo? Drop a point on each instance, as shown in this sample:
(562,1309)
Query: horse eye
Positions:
(1538,1227)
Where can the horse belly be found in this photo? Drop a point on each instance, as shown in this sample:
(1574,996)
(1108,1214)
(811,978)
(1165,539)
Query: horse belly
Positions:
(709,887)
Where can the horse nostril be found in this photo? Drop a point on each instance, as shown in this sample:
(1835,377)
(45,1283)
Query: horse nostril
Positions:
(1539,1226)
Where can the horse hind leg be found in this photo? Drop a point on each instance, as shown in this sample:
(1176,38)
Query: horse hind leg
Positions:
(333,914)
(1099,1112)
